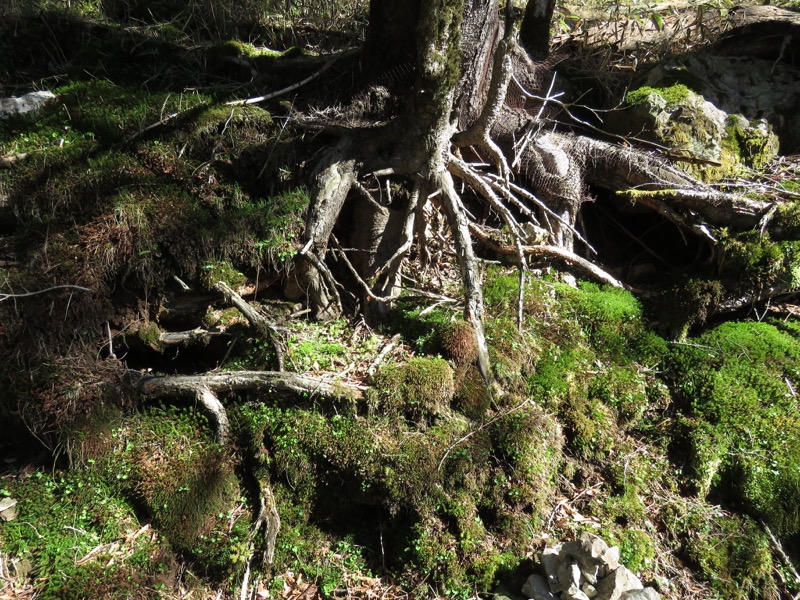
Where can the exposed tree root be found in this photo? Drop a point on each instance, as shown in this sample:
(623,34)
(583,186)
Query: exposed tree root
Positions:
(211,403)
(256,319)
(248,381)
(548,252)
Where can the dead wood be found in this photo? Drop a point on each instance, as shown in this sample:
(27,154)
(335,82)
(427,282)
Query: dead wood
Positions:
(193,337)
(256,319)
(270,382)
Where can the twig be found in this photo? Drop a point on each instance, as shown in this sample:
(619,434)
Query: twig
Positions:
(4,297)
(479,429)
(294,86)
(111,354)
(358,277)
(779,550)
(256,319)
(382,354)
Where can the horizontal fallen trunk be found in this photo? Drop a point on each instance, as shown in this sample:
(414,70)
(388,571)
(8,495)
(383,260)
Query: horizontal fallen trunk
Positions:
(248,381)
(193,337)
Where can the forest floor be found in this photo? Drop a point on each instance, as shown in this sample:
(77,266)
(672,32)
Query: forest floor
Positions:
(393,471)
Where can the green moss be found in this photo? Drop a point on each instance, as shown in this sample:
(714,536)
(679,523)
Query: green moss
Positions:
(224,271)
(150,335)
(636,547)
(742,423)
(165,462)
(757,261)
(786,223)
(612,319)
(624,389)
(686,305)
(753,147)
(529,444)
(674,95)
(65,517)
(420,388)
(733,554)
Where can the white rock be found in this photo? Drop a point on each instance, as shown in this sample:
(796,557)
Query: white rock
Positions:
(536,588)
(14,107)
(550,562)
(617,583)
(569,575)
(647,593)
(589,589)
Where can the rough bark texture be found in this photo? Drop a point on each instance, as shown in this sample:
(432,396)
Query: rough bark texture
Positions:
(253,381)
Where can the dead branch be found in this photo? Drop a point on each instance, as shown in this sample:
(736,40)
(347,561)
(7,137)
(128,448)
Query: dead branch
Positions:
(294,86)
(193,337)
(463,171)
(4,296)
(553,252)
(278,382)
(256,319)
(473,293)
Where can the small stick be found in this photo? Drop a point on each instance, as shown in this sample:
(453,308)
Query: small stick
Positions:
(294,86)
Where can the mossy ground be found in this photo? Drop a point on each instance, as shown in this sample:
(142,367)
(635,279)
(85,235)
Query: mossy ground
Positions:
(673,450)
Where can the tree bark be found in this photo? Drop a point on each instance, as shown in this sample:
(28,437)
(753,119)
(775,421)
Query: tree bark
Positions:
(248,381)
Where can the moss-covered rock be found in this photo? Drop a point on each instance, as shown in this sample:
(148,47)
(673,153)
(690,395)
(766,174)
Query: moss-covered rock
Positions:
(690,126)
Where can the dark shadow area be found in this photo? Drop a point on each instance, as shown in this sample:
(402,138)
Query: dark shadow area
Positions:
(637,245)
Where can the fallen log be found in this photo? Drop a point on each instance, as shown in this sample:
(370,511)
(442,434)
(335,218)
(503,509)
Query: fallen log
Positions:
(277,382)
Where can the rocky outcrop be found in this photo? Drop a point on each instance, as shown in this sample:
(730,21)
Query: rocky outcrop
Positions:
(585,569)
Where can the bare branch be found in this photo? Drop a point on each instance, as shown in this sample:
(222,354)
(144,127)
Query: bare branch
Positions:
(294,86)
(248,381)
(4,297)
(256,319)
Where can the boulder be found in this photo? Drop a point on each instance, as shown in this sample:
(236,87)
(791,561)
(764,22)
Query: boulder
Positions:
(714,143)
(24,105)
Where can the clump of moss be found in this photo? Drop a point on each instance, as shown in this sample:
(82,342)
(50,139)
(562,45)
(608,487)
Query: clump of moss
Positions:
(732,553)
(224,271)
(613,320)
(472,395)
(82,543)
(458,342)
(674,95)
(754,147)
(688,304)
(165,461)
(419,388)
(758,261)
(624,389)
(741,419)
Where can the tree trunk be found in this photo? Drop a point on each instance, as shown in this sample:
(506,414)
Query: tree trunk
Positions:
(534,34)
